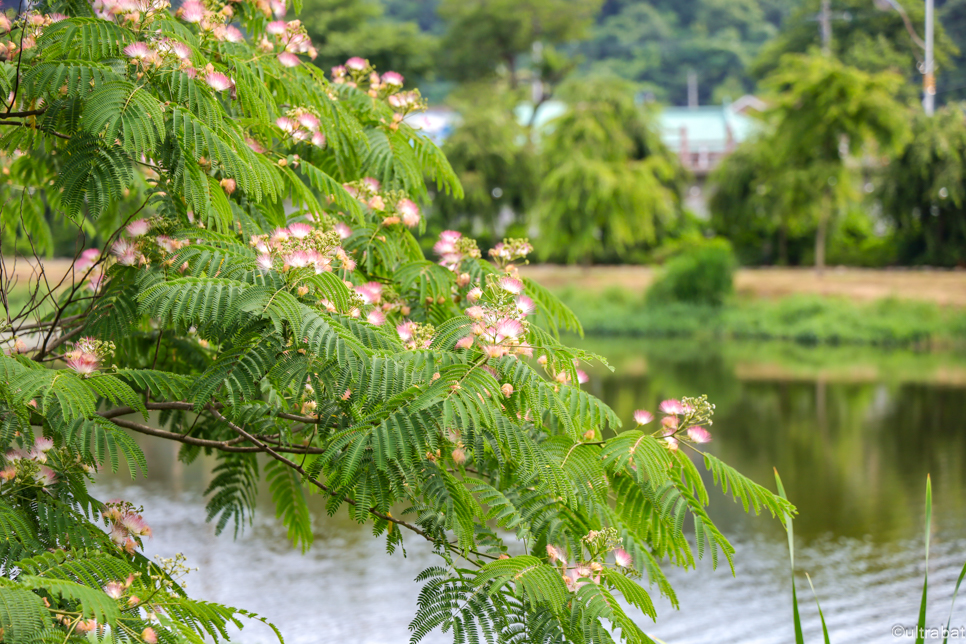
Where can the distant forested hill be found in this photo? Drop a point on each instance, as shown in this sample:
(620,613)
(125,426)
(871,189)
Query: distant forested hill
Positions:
(728,44)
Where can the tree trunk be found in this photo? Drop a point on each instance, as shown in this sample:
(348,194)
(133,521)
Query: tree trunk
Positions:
(823,216)
(820,244)
(783,245)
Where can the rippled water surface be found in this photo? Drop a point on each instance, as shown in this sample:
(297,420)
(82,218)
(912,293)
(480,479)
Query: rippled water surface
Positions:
(853,434)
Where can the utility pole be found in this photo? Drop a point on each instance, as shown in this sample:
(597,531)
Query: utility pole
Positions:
(928,67)
(824,18)
(692,89)
(825,21)
(928,74)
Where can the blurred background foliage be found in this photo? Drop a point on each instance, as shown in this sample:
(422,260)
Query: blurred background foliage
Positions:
(555,111)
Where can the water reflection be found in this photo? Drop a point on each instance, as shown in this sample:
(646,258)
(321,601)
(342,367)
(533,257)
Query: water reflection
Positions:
(853,433)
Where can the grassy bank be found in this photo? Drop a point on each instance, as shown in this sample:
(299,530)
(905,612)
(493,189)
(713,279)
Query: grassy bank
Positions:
(802,318)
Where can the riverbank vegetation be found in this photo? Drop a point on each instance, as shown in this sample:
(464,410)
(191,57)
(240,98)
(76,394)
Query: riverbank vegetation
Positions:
(694,296)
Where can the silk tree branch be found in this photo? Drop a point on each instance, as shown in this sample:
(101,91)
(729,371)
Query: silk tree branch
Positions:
(376,513)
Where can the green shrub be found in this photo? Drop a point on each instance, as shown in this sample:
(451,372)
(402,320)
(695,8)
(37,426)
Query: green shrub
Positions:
(703,274)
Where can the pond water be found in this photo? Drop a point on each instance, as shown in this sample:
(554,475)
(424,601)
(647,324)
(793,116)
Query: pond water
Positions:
(853,433)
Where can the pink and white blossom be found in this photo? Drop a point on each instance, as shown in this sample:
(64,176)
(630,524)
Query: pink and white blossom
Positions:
(643,417)
(138,51)
(356,64)
(138,227)
(135,525)
(87,259)
(125,251)
(114,590)
(409,212)
(511,285)
(45,476)
(672,406)
(288,59)
(264,262)
(300,230)
(298,259)
(234,34)
(309,121)
(623,558)
(370,293)
(218,81)
(699,434)
(394,79)
(508,329)
(525,305)
(405,331)
(376,317)
(192,11)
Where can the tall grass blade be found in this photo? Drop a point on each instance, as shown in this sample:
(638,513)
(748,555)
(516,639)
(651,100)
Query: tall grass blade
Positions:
(820,615)
(955,592)
(799,638)
(921,632)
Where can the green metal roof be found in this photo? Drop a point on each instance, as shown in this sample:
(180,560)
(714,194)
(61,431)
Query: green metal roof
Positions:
(707,126)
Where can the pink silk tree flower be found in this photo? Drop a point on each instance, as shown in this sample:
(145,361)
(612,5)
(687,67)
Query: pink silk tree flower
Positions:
(699,434)
(218,81)
(643,417)
(288,59)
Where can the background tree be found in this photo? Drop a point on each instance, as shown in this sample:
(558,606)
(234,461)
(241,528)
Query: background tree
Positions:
(763,207)
(341,29)
(924,190)
(951,82)
(657,43)
(822,112)
(872,39)
(495,157)
(487,37)
(610,183)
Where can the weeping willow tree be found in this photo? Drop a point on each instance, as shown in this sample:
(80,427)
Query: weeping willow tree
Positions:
(765,207)
(923,190)
(266,301)
(825,114)
(496,161)
(609,182)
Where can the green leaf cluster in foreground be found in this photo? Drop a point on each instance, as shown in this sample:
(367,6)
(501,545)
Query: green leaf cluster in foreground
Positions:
(262,297)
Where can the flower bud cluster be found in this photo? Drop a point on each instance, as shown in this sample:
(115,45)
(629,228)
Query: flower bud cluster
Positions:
(587,570)
(87,354)
(301,124)
(359,73)
(415,335)
(301,245)
(510,250)
(134,12)
(453,248)
(127,527)
(289,37)
(30,466)
(499,326)
(394,206)
(683,420)
(559,373)
(173,568)
(33,24)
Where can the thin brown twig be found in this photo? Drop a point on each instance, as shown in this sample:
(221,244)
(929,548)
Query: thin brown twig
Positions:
(329,491)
